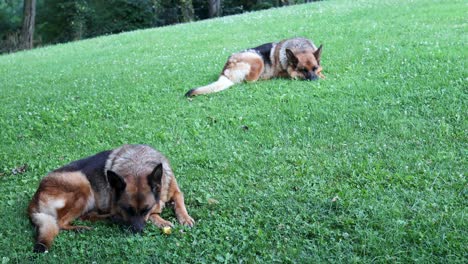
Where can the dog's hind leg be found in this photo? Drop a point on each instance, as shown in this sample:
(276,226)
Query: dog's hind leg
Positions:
(76,204)
(221,84)
(53,214)
(47,229)
(95,216)
(240,67)
(61,198)
(65,220)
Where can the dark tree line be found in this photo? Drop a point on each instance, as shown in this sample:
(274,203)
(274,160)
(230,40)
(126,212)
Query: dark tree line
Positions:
(28,23)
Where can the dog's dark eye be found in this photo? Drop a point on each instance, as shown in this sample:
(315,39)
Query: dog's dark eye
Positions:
(314,68)
(305,70)
(129,210)
(145,211)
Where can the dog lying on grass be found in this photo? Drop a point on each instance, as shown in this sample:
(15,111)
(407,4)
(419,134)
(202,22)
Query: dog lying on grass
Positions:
(296,58)
(128,185)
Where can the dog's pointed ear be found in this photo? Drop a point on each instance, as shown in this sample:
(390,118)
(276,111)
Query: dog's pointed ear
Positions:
(318,53)
(115,181)
(292,59)
(154,180)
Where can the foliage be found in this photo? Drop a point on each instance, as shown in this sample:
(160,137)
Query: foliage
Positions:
(167,12)
(10,15)
(67,20)
(10,24)
(119,15)
(367,166)
(61,21)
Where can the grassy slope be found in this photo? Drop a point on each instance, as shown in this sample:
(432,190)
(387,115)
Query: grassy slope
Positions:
(385,133)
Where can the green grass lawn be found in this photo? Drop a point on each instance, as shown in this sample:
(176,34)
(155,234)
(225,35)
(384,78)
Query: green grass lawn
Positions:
(368,165)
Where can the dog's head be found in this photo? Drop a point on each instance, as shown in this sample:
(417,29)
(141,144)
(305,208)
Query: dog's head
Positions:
(304,64)
(135,196)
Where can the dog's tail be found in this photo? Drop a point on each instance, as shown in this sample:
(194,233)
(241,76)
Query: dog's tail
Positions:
(221,84)
(47,229)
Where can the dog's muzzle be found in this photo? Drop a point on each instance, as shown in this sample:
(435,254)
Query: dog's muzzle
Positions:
(311,76)
(137,224)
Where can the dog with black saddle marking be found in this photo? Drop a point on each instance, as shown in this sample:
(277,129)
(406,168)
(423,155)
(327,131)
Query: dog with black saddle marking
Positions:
(296,58)
(128,185)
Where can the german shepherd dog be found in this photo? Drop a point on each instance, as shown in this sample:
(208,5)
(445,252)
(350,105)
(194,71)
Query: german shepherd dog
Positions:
(296,58)
(128,185)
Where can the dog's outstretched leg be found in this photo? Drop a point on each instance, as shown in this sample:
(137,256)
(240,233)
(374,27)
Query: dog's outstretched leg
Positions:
(240,67)
(221,84)
(47,229)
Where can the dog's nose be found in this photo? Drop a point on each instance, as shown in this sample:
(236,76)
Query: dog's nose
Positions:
(313,77)
(136,229)
(137,225)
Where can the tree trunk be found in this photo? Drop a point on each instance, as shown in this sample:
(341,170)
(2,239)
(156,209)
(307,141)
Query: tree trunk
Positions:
(27,31)
(214,8)
(186,8)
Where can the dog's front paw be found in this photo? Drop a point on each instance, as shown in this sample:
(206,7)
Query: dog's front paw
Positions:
(186,220)
(159,221)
